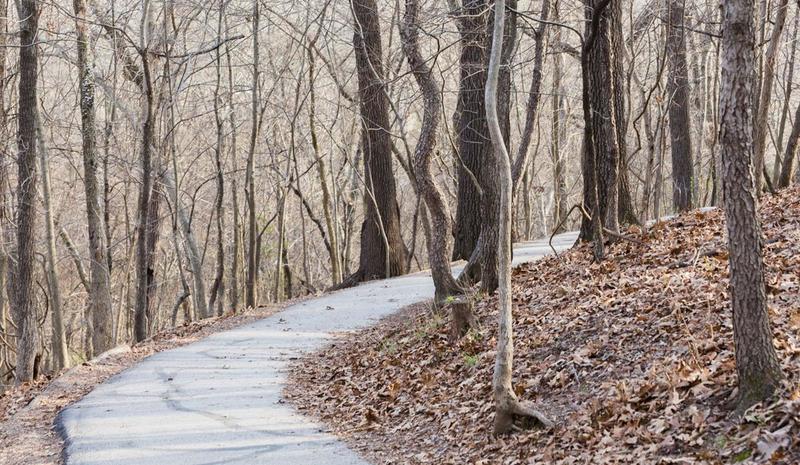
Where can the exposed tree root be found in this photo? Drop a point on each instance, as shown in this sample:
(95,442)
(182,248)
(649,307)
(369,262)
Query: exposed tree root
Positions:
(513,409)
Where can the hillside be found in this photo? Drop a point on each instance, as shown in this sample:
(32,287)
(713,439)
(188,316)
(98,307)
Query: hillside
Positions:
(633,357)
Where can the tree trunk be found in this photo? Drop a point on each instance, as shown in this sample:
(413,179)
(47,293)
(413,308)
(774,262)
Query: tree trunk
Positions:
(382,249)
(757,364)
(762,118)
(439,243)
(251,297)
(143,272)
(506,402)
(25,312)
(679,123)
(601,146)
(473,148)
(558,133)
(100,288)
(58,337)
(787,169)
(776,169)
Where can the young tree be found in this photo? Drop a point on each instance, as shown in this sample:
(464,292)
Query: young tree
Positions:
(382,250)
(757,364)
(506,402)
(27,339)
(762,117)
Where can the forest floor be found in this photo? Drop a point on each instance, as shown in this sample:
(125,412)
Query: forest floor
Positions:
(633,357)
(27,413)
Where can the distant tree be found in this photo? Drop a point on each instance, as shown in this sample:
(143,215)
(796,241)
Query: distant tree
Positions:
(679,123)
(757,364)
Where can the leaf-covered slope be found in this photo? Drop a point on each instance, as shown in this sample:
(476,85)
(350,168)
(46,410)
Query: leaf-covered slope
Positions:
(633,357)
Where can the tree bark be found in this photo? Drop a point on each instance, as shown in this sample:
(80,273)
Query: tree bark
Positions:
(757,366)
(382,249)
(439,243)
(472,146)
(679,122)
(100,287)
(25,312)
(506,402)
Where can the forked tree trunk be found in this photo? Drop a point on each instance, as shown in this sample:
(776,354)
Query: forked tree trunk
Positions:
(757,365)
(679,123)
(25,312)
(382,250)
(506,402)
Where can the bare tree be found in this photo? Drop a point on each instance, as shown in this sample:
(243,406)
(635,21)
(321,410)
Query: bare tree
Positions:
(506,402)
(756,361)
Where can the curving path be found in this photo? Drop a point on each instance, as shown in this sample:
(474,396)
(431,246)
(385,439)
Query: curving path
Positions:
(218,401)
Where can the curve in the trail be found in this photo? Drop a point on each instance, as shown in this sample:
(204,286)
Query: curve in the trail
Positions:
(218,401)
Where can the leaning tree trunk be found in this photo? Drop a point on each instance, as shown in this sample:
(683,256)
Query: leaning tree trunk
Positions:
(382,250)
(679,123)
(100,287)
(762,118)
(27,340)
(439,244)
(757,364)
(787,168)
(506,402)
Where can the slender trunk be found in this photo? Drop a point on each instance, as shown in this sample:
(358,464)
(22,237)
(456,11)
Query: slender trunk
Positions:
(506,402)
(333,234)
(762,118)
(789,77)
(759,372)
(251,298)
(143,276)
(58,337)
(558,120)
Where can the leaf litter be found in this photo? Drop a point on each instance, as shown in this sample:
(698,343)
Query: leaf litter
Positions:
(633,357)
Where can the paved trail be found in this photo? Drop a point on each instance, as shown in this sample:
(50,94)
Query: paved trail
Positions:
(218,401)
